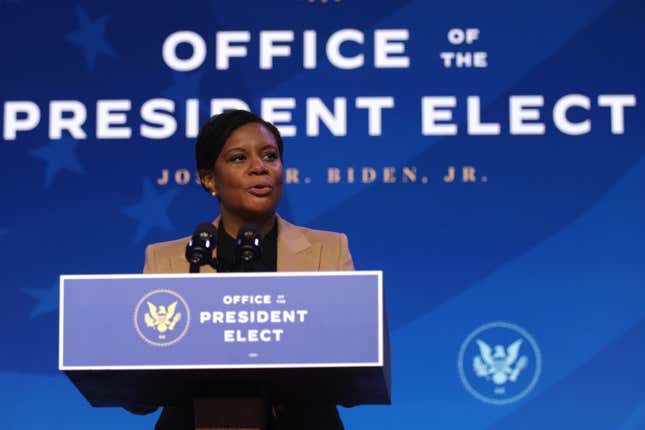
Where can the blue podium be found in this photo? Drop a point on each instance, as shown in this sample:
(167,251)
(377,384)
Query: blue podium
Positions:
(168,339)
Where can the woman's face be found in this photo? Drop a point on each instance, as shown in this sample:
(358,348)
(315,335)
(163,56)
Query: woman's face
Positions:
(248,174)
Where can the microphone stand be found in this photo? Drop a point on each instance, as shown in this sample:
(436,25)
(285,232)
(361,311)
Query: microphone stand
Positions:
(247,264)
(196,268)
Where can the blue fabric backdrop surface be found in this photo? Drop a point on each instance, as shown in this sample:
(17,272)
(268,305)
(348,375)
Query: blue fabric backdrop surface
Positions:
(487,156)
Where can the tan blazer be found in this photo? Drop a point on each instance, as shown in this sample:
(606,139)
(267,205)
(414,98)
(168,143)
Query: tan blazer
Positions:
(299,249)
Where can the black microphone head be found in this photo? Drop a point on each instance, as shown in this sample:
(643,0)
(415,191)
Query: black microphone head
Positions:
(199,249)
(248,245)
(205,228)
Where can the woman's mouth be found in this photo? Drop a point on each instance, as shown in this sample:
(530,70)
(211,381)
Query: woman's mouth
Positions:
(260,190)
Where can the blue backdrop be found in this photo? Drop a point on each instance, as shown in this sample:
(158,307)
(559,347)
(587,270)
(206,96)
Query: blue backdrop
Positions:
(514,290)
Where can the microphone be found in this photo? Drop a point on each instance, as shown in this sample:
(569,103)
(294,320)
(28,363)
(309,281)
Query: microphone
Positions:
(199,250)
(248,247)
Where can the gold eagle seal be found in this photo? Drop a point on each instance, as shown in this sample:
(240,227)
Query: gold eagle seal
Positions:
(161,321)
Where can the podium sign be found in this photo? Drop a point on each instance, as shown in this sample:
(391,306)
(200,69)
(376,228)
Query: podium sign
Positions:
(111,324)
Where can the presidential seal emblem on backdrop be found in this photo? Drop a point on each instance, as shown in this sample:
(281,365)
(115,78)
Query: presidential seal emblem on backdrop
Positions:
(499,363)
(162,317)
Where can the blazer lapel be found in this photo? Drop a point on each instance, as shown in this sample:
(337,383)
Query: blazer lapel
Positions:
(295,252)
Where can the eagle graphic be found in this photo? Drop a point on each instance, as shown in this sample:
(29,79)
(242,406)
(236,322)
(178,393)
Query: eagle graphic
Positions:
(161,318)
(499,364)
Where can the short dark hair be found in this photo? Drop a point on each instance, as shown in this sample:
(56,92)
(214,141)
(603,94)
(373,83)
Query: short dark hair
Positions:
(217,130)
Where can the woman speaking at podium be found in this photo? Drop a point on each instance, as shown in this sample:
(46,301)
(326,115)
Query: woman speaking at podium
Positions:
(239,162)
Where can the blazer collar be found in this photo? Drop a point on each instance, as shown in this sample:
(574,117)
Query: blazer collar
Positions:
(295,252)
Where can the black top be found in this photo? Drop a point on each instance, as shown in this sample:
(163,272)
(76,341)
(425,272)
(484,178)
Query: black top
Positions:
(226,261)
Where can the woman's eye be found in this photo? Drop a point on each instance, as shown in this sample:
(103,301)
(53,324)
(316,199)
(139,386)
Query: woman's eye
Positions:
(238,157)
(270,156)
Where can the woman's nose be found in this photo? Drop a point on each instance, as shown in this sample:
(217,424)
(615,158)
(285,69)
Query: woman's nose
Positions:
(258,166)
